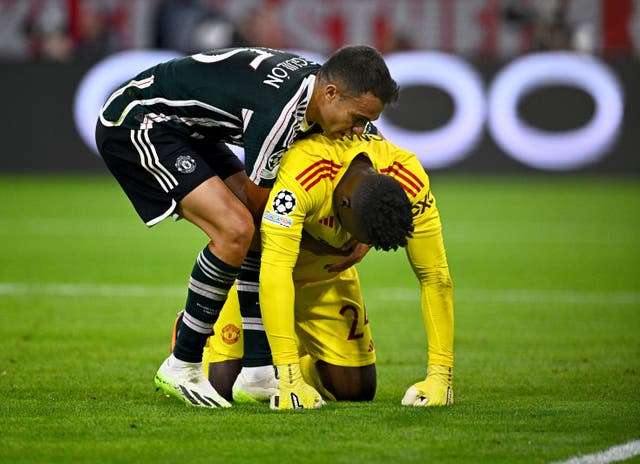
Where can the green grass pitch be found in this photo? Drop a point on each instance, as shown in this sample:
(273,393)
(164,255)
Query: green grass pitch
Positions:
(546,271)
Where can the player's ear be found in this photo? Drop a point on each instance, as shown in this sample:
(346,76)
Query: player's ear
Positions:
(330,92)
(345,202)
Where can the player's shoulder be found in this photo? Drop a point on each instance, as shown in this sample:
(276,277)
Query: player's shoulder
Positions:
(310,160)
(395,161)
(275,68)
(407,170)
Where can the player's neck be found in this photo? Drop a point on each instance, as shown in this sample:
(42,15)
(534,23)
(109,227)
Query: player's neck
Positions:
(312,112)
(359,167)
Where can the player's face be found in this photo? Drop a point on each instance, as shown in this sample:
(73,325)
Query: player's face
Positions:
(344,115)
(343,194)
(347,219)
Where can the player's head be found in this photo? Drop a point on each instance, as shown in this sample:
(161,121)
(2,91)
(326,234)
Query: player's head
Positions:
(360,69)
(375,210)
(353,86)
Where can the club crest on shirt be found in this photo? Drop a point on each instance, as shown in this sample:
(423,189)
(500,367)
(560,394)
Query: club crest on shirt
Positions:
(185,164)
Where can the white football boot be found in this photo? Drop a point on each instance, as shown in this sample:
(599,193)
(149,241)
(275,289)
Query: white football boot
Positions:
(255,384)
(186,381)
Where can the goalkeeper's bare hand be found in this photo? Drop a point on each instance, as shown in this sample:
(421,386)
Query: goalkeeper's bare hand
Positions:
(293,391)
(357,250)
(435,390)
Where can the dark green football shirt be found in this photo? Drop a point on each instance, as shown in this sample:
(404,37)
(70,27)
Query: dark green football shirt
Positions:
(255,98)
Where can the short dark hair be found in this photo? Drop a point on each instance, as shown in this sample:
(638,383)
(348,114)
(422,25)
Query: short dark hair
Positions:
(360,69)
(382,212)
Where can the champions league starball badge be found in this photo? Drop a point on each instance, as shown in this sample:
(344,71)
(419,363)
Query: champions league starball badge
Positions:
(185,164)
(284,202)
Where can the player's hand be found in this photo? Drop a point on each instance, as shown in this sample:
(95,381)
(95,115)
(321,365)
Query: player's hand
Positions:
(435,390)
(357,251)
(320,248)
(293,391)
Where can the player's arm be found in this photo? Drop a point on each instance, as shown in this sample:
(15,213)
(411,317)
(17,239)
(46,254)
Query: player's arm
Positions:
(426,253)
(280,248)
(281,231)
(251,195)
(351,252)
(277,118)
(319,248)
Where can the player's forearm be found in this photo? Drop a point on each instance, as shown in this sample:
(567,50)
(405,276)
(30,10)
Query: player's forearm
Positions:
(429,262)
(277,298)
(438,316)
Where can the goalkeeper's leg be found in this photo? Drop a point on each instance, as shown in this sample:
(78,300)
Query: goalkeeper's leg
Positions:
(340,383)
(258,380)
(230,374)
(222,356)
(334,331)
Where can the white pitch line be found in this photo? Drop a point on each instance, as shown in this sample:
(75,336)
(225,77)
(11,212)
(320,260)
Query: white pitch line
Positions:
(87,289)
(524,295)
(72,289)
(614,454)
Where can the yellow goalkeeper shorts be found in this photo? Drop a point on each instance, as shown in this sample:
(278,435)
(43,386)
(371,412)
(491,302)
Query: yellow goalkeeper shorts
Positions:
(331,321)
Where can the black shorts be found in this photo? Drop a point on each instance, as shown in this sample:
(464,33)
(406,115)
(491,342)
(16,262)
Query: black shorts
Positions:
(158,167)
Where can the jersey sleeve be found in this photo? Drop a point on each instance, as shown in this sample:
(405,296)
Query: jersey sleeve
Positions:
(270,131)
(426,253)
(281,231)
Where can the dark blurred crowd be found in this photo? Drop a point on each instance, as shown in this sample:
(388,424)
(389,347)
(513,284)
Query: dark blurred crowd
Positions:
(87,30)
(54,32)
(91,31)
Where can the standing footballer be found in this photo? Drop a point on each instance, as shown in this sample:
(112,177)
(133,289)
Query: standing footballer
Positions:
(163,134)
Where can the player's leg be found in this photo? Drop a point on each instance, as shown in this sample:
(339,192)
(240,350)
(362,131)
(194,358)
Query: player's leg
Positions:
(348,383)
(222,362)
(257,380)
(222,354)
(222,357)
(333,328)
(229,225)
(163,174)
(257,376)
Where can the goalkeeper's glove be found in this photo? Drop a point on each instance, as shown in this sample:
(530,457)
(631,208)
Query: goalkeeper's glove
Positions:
(435,390)
(293,392)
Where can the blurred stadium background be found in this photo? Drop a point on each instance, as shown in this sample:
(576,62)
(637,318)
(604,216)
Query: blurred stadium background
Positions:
(525,112)
(478,95)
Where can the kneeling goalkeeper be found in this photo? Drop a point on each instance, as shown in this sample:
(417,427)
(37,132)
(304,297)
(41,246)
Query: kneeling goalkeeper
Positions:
(358,187)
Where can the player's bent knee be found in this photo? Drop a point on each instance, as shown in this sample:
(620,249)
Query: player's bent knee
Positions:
(348,383)
(239,229)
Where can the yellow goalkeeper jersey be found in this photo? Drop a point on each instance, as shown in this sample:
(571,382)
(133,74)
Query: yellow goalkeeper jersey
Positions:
(302,199)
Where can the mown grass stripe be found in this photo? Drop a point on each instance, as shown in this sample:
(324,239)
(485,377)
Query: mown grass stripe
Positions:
(523,295)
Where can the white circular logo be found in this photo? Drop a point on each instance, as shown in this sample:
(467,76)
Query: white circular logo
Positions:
(284,202)
(448,144)
(566,150)
(453,142)
(185,164)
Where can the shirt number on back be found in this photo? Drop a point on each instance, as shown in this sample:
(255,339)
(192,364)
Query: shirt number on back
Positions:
(262,55)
